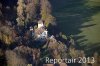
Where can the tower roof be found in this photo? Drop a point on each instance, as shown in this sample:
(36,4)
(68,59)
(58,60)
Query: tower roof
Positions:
(40,22)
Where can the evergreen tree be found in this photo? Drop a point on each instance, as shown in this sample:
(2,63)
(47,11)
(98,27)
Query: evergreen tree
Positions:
(46,12)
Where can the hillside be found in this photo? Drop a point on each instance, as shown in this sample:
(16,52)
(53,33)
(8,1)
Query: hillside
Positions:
(49,33)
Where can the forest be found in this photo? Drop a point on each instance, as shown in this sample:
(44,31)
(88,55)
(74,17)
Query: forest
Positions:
(31,30)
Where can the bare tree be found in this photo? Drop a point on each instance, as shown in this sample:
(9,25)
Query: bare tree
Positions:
(26,11)
(30,10)
(21,12)
(14,59)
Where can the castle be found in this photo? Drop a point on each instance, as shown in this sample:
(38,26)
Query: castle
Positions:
(41,32)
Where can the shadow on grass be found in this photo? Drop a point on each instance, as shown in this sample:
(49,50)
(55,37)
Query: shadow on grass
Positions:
(93,48)
(70,15)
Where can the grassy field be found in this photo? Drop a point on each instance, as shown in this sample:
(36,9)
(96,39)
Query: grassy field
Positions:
(77,18)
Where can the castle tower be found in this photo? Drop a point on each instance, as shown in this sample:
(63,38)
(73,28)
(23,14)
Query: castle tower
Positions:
(40,24)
